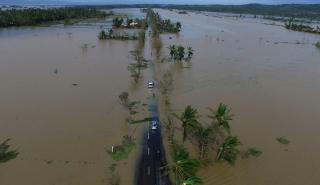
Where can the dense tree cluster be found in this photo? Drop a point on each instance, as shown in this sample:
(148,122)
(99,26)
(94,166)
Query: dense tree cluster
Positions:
(301,27)
(163,25)
(34,16)
(178,52)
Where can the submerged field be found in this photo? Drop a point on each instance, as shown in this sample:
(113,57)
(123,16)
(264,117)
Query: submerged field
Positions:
(59,90)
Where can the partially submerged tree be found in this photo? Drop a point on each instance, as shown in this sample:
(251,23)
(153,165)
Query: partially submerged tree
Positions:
(117,22)
(5,153)
(166,82)
(205,136)
(178,52)
(192,181)
(124,99)
(183,167)
(188,119)
(222,116)
(228,151)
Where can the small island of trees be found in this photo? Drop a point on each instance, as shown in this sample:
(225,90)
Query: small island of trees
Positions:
(119,22)
(290,25)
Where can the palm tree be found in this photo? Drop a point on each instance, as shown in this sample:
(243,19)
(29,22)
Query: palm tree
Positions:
(172,49)
(228,151)
(184,168)
(188,119)
(190,52)
(204,136)
(192,181)
(181,52)
(222,115)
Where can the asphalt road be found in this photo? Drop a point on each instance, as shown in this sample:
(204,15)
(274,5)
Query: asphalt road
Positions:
(152,162)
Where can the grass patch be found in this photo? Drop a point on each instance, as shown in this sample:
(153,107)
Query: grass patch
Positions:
(122,151)
(318,44)
(140,121)
(5,153)
(252,152)
(283,140)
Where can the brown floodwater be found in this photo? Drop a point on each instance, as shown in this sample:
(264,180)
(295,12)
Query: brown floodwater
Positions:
(270,77)
(62,130)
(63,123)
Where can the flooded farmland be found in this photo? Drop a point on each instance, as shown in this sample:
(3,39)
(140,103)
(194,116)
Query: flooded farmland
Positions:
(59,90)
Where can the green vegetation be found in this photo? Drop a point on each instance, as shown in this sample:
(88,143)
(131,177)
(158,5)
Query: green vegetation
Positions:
(283,140)
(178,53)
(111,35)
(5,153)
(140,121)
(188,119)
(308,11)
(318,44)
(290,25)
(228,151)
(184,168)
(160,25)
(222,116)
(129,23)
(205,137)
(122,151)
(140,64)
(117,22)
(127,103)
(32,16)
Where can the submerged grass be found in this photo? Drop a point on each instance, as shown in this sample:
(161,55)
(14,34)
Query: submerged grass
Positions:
(283,140)
(252,152)
(318,44)
(122,151)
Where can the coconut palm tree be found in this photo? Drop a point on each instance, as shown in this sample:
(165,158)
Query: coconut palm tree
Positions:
(228,151)
(184,168)
(188,118)
(181,52)
(192,181)
(222,116)
(205,136)
(190,52)
(172,49)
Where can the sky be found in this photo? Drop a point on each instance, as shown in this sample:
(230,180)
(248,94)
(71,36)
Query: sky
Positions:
(161,1)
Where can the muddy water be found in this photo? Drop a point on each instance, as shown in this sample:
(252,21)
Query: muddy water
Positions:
(62,130)
(61,123)
(272,84)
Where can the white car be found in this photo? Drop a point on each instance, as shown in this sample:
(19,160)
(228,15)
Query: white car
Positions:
(154,125)
(150,84)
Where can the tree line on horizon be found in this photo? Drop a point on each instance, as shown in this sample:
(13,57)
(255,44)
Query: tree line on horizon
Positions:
(35,16)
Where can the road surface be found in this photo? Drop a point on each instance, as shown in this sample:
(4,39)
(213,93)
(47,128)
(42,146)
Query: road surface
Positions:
(152,162)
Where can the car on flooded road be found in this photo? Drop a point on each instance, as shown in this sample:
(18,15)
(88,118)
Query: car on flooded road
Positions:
(154,125)
(150,84)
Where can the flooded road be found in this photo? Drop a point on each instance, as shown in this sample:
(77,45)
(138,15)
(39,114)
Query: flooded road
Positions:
(62,122)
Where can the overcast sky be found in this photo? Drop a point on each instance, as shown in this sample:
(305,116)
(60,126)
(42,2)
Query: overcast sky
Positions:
(167,1)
